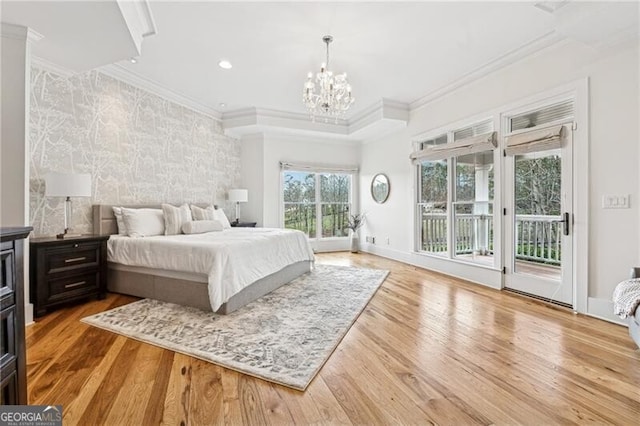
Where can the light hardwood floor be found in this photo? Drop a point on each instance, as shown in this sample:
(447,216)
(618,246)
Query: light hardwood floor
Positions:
(427,349)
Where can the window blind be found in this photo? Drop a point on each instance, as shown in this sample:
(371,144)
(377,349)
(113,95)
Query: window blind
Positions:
(442,139)
(472,145)
(318,168)
(535,140)
(549,114)
(473,130)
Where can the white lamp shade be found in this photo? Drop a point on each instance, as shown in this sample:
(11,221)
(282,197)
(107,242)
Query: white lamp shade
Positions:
(67,185)
(238,195)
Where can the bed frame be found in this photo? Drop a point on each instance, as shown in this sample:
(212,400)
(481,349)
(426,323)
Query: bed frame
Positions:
(191,291)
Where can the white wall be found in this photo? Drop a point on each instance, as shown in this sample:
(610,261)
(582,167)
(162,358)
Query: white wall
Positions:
(252,178)
(15,46)
(261,157)
(14,148)
(613,150)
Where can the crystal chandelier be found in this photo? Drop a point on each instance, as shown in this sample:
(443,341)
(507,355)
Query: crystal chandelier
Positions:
(328,94)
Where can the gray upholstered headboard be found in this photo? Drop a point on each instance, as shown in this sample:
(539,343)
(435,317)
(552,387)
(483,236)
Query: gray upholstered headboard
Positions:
(104,221)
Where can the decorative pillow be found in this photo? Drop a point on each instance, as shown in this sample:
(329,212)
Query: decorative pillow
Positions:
(117,212)
(201,226)
(203,214)
(174,217)
(220,216)
(143,222)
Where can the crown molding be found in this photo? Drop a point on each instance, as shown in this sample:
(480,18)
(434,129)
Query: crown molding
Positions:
(47,65)
(139,19)
(119,72)
(306,138)
(542,42)
(266,113)
(19,32)
(382,117)
(260,120)
(382,110)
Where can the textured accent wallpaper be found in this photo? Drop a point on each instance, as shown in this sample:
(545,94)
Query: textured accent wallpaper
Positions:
(137,146)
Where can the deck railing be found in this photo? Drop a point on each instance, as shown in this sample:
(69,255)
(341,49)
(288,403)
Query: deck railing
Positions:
(468,228)
(538,237)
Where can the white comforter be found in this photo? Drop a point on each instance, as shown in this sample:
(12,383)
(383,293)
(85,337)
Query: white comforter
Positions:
(232,259)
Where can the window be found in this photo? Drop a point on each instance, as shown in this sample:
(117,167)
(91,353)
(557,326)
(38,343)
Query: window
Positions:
(473,207)
(334,199)
(317,203)
(300,202)
(432,202)
(559,112)
(455,194)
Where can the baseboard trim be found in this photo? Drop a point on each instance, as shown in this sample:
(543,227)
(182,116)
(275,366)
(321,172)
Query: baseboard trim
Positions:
(603,309)
(28,314)
(476,274)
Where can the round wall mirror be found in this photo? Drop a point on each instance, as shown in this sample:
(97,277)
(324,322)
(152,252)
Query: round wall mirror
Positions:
(380,188)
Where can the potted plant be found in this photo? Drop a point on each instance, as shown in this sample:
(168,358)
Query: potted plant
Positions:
(354,222)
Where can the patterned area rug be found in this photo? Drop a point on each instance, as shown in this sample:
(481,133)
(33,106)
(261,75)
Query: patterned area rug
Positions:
(284,337)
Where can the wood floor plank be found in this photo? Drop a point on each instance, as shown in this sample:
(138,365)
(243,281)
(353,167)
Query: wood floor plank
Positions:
(104,397)
(176,403)
(428,349)
(319,395)
(252,408)
(206,405)
(154,412)
(75,365)
(74,411)
(231,396)
(129,405)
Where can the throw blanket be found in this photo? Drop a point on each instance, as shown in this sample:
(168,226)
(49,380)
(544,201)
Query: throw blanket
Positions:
(626,298)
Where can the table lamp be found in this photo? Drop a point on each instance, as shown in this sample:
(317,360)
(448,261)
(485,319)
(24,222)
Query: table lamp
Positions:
(67,185)
(238,196)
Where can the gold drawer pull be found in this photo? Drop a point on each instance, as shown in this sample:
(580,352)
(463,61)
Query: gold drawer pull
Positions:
(75,284)
(75,259)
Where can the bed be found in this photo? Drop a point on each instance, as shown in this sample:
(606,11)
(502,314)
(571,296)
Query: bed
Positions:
(190,284)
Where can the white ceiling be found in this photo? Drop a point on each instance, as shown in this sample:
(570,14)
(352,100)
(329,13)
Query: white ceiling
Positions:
(393,50)
(78,35)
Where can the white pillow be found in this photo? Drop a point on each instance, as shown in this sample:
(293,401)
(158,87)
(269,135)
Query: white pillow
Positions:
(203,214)
(201,226)
(174,217)
(219,215)
(143,222)
(117,212)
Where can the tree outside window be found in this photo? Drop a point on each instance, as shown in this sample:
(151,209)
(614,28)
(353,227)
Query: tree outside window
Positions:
(317,198)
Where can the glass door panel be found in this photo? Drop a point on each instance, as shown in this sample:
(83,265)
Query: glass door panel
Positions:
(538,226)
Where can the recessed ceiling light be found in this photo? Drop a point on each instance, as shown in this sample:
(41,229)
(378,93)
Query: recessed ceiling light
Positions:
(133,60)
(225,64)
(223,105)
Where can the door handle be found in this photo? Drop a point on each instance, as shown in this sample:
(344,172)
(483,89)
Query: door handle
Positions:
(565,222)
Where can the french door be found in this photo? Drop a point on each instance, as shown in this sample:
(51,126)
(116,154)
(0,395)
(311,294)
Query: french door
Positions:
(538,214)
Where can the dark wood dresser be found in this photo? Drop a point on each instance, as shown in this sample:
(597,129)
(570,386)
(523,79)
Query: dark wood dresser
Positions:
(13,359)
(66,270)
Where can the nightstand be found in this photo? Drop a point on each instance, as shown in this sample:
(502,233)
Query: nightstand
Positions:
(243,224)
(65,270)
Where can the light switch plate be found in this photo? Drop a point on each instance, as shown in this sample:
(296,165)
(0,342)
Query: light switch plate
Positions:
(615,201)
